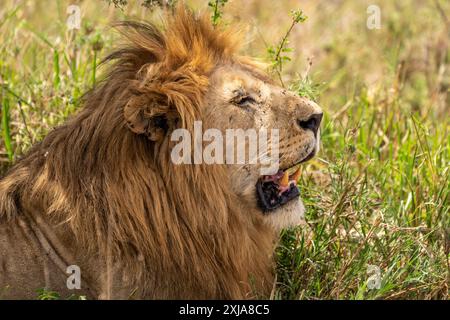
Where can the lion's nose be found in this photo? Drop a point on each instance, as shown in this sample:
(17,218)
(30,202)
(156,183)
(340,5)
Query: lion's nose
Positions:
(312,123)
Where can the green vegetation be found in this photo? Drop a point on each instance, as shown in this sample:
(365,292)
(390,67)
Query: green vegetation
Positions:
(378,192)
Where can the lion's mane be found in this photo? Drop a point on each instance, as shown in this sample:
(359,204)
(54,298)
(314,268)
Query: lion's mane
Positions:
(177,230)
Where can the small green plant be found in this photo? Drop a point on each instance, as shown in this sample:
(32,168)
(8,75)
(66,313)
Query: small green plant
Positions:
(304,86)
(279,54)
(45,294)
(217,9)
(146,3)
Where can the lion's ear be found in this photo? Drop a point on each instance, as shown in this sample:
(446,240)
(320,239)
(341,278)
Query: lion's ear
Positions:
(144,117)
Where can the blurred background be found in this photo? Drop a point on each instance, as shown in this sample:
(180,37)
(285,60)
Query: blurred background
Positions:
(377,196)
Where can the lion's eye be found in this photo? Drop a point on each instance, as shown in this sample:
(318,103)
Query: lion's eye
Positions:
(244,101)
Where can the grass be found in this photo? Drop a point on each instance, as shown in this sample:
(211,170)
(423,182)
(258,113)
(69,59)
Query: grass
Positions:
(378,193)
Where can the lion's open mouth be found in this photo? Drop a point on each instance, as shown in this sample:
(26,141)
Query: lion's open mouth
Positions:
(278,189)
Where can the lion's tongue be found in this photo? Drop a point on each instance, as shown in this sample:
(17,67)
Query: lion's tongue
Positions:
(276,190)
(283,179)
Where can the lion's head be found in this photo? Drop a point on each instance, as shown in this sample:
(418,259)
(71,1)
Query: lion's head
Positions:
(230,92)
(199,76)
(241,96)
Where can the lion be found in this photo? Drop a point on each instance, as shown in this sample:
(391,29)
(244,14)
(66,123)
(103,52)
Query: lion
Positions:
(99,198)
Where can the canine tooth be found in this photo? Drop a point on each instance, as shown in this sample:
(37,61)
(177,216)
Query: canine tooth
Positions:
(284,181)
(297,174)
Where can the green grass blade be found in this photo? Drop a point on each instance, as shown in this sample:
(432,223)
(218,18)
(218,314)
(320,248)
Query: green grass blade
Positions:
(56,70)
(6,133)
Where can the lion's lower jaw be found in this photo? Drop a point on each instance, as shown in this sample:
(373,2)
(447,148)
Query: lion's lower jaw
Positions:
(290,215)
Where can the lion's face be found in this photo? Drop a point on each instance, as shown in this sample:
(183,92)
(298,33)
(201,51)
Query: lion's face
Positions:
(241,97)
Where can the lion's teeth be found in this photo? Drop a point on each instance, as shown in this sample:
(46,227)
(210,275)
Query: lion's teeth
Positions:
(296,175)
(284,181)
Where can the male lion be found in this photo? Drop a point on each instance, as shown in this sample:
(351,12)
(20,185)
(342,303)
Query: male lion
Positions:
(102,193)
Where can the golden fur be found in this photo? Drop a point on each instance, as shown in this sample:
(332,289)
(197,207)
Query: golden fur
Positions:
(102,192)
(177,230)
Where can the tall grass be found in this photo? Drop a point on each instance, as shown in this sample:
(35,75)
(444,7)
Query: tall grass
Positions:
(6,122)
(377,194)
